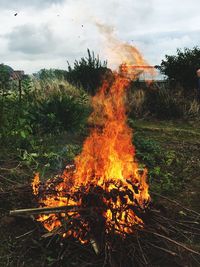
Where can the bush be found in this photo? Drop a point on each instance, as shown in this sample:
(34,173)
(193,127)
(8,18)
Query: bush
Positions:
(61,112)
(181,68)
(192,109)
(45,107)
(136,101)
(88,73)
(59,106)
(164,104)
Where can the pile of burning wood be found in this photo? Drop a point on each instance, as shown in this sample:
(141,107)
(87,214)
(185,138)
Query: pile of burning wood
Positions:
(103,199)
(164,238)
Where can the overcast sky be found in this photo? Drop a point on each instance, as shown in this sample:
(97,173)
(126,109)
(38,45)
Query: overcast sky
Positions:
(47,33)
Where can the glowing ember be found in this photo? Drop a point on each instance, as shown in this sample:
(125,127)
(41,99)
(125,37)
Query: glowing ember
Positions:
(105,177)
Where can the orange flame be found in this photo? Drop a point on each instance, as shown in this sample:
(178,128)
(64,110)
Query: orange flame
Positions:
(123,54)
(107,160)
(35,184)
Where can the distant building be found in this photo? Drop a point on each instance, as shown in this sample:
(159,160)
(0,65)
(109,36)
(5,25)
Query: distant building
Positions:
(14,74)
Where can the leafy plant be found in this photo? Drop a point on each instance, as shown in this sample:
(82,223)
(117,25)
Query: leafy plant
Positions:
(159,164)
(61,112)
(88,72)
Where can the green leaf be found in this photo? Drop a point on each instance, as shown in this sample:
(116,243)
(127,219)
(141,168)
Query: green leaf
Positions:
(23,134)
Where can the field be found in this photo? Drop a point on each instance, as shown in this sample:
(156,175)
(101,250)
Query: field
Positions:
(44,122)
(170,150)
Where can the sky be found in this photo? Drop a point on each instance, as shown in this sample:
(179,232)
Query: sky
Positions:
(36,34)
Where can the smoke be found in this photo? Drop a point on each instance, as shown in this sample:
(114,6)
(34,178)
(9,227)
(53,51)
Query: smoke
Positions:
(117,51)
(124,55)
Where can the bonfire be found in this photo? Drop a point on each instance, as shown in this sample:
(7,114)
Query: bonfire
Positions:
(103,198)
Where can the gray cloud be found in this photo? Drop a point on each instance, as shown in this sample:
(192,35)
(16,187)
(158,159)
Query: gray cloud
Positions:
(156,45)
(156,37)
(32,40)
(48,32)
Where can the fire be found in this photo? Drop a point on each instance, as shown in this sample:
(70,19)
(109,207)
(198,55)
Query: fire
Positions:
(124,54)
(106,177)
(35,184)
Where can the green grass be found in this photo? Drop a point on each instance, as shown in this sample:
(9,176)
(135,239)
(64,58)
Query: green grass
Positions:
(180,141)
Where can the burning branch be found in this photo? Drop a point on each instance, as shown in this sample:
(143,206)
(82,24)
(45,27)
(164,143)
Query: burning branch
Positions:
(47,210)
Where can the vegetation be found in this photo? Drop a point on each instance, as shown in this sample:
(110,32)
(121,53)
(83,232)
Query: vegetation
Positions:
(44,108)
(51,74)
(88,73)
(44,130)
(181,68)
(160,102)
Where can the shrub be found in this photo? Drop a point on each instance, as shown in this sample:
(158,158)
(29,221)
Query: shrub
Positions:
(88,73)
(192,110)
(164,104)
(136,101)
(61,112)
(45,107)
(182,67)
(58,106)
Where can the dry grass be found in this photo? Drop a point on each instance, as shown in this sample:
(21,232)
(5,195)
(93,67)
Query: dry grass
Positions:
(59,87)
(136,101)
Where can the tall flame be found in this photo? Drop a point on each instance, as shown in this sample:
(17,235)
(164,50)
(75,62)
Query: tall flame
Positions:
(107,159)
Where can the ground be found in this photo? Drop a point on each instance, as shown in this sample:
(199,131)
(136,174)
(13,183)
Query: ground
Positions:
(171,150)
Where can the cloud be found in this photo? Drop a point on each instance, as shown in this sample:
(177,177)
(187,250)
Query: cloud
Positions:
(18,4)
(31,39)
(156,45)
(47,33)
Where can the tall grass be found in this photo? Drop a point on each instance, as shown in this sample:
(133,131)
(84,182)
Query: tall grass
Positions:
(163,103)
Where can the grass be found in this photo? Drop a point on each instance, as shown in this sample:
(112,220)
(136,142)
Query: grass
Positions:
(171,150)
(182,141)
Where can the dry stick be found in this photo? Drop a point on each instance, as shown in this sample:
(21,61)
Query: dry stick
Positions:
(9,180)
(191,222)
(195,260)
(172,241)
(6,169)
(175,202)
(27,233)
(183,223)
(94,245)
(143,256)
(164,249)
(47,210)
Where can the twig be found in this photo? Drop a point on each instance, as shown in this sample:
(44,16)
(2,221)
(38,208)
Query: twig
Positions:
(9,180)
(164,249)
(175,202)
(172,241)
(29,232)
(142,252)
(6,169)
(94,245)
(47,210)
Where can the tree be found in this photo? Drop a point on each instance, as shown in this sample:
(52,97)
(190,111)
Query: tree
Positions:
(49,74)
(181,68)
(87,72)
(5,74)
